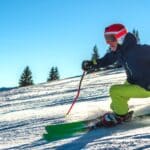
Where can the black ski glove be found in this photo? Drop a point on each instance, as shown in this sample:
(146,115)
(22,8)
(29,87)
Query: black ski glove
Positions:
(87,65)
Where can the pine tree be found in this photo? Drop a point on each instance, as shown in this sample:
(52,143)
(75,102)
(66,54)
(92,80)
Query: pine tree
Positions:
(56,73)
(95,54)
(26,77)
(53,74)
(136,34)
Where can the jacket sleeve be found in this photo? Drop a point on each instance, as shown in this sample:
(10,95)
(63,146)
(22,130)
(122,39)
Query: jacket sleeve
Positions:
(107,60)
(144,52)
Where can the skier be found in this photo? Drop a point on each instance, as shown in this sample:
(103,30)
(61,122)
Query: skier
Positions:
(135,59)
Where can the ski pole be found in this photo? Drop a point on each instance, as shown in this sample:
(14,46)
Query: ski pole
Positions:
(78,93)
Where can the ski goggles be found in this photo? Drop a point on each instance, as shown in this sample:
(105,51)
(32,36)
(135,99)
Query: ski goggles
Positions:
(110,38)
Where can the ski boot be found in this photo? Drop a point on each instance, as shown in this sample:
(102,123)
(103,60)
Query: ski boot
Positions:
(111,119)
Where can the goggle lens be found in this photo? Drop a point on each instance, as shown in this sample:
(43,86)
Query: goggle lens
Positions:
(110,38)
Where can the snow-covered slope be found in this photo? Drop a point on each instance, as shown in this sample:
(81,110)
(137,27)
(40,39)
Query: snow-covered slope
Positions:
(25,111)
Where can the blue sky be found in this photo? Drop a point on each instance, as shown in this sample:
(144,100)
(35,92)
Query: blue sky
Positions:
(62,33)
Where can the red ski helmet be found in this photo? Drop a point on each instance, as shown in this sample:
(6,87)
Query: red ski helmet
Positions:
(115,32)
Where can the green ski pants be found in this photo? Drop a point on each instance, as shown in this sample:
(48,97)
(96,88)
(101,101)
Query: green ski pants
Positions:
(120,95)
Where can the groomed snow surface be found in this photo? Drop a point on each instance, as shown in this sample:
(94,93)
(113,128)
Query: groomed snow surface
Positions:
(24,112)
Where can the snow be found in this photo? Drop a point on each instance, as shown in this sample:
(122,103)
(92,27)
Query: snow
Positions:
(24,112)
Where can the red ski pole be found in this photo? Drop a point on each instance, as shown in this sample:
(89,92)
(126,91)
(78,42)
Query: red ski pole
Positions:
(78,92)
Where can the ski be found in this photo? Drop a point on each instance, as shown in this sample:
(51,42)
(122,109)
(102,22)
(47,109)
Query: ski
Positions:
(67,130)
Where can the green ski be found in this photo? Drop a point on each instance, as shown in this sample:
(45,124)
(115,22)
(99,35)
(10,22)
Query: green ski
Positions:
(66,130)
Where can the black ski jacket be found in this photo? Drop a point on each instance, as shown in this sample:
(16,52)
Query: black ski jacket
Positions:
(134,58)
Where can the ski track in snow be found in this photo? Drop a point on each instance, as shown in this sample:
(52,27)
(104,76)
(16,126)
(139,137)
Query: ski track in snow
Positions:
(24,112)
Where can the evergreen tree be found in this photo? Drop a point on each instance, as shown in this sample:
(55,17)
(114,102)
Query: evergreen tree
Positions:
(53,74)
(136,34)
(94,57)
(95,54)
(26,77)
(56,73)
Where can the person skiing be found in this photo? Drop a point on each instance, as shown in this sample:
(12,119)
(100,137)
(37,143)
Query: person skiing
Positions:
(135,59)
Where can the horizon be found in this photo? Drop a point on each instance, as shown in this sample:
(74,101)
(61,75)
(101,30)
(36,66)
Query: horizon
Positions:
(42,34)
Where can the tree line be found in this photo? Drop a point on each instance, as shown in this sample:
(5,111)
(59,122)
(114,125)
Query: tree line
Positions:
(26,78)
